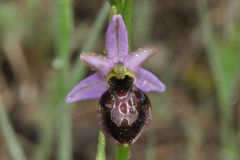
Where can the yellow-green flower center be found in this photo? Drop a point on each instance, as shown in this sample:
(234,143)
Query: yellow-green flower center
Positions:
(120,71)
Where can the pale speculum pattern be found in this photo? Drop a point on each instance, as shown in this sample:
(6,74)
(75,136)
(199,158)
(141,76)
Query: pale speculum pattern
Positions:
(124,109)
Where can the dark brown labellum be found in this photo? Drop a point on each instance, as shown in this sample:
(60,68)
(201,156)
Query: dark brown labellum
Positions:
(124,111)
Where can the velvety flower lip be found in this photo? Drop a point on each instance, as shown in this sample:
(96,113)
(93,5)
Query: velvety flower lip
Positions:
(117,49)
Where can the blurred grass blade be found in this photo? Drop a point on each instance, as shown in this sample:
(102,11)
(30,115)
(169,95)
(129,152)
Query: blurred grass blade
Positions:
(127,15)
(44,147)
(101,147)
(58,119)
(65,137)
(64,25)
(150,148)
(91,40)
(8,133)
(96,28)
(141,35)
(224,57)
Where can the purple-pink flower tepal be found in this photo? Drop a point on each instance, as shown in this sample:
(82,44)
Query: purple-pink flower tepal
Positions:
(120,82)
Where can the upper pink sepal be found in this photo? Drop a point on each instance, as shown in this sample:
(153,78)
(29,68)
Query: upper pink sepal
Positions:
(117,39)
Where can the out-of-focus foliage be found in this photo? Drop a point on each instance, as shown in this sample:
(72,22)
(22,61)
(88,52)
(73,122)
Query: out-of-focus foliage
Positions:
(198,58)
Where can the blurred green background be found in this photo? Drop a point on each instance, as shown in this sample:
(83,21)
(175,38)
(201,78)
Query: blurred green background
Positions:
(198,58)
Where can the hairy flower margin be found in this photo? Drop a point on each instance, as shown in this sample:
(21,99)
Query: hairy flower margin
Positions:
(95,85)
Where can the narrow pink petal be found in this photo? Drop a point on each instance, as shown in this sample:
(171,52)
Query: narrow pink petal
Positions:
(97,62)
(137,58)
(117,39)
(90,88)
(147,82)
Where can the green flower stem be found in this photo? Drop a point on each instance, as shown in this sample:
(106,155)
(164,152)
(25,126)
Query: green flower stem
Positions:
(127,16)
(101,147)
(9,136)
(123,152)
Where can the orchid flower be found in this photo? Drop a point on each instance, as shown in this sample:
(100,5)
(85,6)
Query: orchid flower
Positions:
(117,48)
(114,73)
